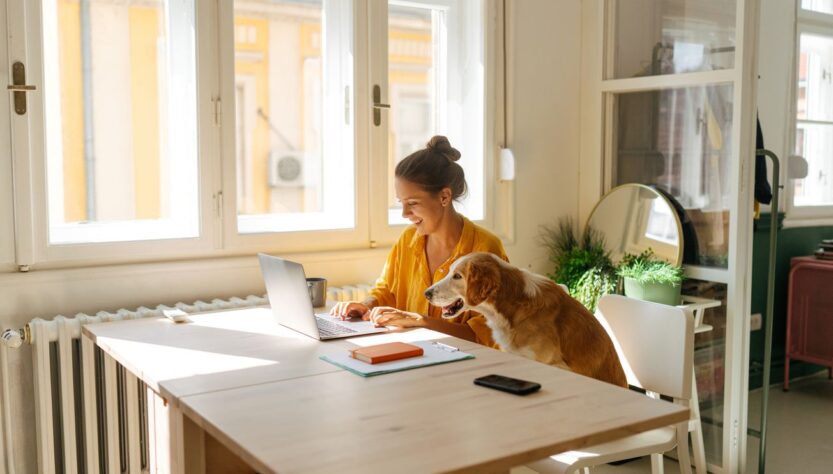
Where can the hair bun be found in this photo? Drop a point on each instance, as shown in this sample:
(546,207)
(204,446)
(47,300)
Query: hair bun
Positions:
(440,144)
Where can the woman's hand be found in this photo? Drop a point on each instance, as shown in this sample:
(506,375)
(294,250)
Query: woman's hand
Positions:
(387,316)
(350,310)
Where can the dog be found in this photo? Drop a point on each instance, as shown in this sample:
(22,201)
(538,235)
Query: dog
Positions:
(529,315)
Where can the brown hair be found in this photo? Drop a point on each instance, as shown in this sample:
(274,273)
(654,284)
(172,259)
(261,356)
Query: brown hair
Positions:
(434,168)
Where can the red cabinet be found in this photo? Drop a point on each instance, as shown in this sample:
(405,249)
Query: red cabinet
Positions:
(809,314)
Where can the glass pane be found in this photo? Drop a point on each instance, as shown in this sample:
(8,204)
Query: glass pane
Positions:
(653,37)
(294,146)
(709,365)
(435,77)
(679,140)
(823,6)
(815,78)
(120,120)
(814,142)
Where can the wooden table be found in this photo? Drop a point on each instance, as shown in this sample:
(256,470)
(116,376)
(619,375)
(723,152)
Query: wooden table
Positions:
(256,394)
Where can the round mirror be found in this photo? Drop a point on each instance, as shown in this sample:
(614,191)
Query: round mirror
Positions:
(633,218)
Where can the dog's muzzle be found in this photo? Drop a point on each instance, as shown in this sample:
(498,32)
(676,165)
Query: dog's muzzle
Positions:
(429,293)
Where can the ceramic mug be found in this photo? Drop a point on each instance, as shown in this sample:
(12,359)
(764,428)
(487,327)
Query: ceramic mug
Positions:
(317,291)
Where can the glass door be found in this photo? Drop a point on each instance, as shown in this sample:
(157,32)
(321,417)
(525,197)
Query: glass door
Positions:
(675,111)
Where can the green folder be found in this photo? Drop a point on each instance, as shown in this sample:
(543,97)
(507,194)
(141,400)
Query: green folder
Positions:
(433,354)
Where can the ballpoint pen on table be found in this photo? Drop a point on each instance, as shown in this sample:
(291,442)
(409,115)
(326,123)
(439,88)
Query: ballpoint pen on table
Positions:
(445,347)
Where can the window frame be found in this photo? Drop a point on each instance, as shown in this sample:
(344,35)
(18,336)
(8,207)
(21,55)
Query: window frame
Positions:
(215,99)
(819,24)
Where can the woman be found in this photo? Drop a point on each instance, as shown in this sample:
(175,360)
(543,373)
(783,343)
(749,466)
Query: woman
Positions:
(427,182)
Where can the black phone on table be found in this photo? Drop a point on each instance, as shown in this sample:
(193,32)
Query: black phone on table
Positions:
(508,384)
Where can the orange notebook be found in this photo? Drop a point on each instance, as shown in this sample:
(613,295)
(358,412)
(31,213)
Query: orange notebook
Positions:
(386,352)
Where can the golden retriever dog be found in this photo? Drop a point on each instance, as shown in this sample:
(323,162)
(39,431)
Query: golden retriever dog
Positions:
(529,315)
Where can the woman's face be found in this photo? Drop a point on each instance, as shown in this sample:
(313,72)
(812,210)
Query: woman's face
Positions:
(424,209)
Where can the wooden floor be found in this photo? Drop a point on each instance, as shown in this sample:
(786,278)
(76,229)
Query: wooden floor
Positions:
(800,434)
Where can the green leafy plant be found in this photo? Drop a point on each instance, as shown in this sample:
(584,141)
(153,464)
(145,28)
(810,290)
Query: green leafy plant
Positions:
(594,284)
(645,268)
(582,265)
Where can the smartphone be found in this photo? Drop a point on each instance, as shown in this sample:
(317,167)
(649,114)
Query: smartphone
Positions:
(508,384)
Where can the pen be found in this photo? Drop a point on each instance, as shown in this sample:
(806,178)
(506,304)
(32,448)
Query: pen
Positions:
(445,347)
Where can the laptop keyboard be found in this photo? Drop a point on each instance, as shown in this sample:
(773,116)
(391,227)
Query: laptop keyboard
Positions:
(329,328)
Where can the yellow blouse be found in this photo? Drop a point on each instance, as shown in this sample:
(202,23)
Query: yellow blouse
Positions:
(405,276)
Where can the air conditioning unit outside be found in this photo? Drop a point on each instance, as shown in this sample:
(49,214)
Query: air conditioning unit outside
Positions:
(286,169)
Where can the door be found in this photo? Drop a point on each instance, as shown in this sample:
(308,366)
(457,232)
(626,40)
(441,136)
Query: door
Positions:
(671,104)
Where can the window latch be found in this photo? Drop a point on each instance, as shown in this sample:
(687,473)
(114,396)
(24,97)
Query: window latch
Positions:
(19,88)
(218,204)
(378,105)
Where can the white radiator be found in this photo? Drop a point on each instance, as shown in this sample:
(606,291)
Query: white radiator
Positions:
(348,293)
(90,413)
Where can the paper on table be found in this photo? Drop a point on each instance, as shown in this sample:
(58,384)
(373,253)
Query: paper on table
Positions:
(433,354)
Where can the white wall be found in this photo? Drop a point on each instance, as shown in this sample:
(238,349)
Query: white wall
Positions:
(546,92)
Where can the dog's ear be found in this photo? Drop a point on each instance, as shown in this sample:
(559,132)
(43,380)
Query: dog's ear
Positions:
(482,279)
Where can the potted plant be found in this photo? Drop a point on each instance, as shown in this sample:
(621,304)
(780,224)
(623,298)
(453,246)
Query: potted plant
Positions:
(648,278)
(582,265)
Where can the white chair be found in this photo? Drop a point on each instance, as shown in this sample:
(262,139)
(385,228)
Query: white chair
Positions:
(655,343)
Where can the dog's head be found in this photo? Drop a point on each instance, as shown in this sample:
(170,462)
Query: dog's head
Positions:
(471,281)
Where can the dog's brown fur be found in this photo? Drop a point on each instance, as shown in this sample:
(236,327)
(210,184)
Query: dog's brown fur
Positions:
(531,316)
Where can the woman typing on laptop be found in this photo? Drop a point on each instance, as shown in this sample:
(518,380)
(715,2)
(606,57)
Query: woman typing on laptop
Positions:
(427,182)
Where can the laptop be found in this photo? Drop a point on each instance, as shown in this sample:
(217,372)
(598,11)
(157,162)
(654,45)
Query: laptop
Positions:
(286,285)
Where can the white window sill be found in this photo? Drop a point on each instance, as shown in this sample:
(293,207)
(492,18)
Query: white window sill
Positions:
(795,222)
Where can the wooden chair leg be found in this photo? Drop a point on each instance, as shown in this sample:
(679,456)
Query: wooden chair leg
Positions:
(656,464)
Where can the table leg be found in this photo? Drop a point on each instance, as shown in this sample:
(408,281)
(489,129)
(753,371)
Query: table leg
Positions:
(193,446)
(176,443)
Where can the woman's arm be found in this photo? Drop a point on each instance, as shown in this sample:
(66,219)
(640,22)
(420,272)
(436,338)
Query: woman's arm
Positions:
(388,316)
(370,302)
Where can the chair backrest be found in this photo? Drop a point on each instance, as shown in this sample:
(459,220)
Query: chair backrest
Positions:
(655,343)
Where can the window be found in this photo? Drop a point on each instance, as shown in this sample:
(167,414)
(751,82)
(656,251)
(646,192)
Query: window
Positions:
(436,82)
(147,140)
(120,120)
(812,196)
(294,134)
(821,6)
